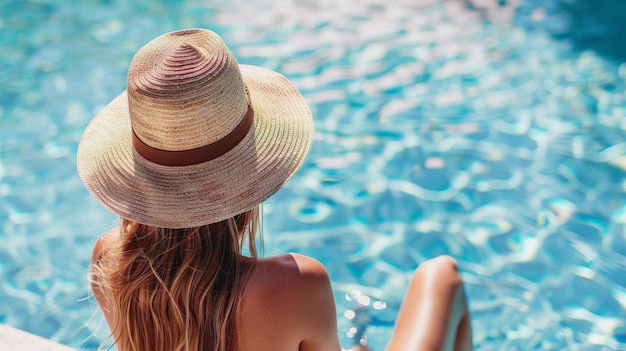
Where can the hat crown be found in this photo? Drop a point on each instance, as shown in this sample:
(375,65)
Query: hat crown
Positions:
(185,91)
(241,132)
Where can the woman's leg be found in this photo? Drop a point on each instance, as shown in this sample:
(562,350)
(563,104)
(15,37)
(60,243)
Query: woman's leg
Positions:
(434,314)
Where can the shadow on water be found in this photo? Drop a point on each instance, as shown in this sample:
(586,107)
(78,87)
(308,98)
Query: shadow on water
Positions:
(597,25)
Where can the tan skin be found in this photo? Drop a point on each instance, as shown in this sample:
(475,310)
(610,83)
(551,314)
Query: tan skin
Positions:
(289,306)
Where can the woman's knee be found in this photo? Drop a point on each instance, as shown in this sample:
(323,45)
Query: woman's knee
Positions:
(443,269)
(443,262)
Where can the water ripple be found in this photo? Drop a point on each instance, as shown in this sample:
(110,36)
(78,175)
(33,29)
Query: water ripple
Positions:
(442,127)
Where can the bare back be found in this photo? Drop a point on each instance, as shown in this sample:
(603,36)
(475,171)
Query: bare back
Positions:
(287,305)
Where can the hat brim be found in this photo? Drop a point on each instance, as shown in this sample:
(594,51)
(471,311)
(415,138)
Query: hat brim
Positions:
(190,196)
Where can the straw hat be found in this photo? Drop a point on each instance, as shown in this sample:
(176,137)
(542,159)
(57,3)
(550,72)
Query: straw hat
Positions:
(196,138)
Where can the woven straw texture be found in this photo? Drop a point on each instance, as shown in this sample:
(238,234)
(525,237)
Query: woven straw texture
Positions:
(186,90)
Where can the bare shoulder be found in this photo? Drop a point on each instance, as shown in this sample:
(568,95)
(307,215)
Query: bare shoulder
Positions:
(297,292)
(295,269)
(104,244)
(309,267)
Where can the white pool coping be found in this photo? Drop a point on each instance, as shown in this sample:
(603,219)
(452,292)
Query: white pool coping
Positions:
(12,339)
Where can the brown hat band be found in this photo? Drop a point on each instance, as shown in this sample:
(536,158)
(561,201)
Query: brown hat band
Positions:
(198,155)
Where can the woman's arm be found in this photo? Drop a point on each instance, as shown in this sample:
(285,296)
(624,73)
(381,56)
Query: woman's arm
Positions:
(319,310)
(434,314)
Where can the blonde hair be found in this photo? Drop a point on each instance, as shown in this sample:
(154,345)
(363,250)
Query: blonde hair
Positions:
(178,289)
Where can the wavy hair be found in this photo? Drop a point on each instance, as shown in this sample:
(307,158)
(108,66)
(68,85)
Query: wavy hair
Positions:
(178,289)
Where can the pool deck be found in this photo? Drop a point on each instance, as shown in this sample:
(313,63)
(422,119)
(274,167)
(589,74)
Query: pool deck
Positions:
(12,339)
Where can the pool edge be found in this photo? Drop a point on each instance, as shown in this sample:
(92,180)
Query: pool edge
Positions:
(13,339)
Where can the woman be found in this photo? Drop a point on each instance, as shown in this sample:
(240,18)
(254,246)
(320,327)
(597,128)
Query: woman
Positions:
(185,157)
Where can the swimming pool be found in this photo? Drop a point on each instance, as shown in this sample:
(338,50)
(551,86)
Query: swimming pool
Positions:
(493,131)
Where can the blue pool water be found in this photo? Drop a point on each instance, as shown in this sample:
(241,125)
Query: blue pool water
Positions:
(490,130)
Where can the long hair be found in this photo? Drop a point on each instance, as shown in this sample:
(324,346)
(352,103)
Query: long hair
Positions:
(178,289)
